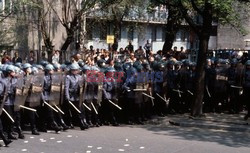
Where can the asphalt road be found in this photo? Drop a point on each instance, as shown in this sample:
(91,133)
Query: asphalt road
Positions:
(134,139)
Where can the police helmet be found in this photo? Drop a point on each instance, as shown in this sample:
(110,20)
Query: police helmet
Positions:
(40,67)
(26,66)
(10,68)
(57,66)
(81,63)
(74,66)
(34,70)
(49,67)
(86,68)
(18,65)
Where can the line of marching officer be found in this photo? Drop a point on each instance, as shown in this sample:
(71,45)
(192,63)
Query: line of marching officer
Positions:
(59,97)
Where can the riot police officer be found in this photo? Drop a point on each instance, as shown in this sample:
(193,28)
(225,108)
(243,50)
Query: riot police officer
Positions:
(3,95)
(72,92)
(48,114)
(92,96)
(10,81)
(246,88)
(31,115)
(173,86)
(233,85)
(110,94)
(129,86)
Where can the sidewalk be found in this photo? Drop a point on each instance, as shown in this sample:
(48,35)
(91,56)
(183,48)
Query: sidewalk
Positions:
(229,122)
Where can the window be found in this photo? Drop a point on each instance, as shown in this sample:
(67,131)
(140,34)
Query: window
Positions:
(154,32)
(103,32)
(89,32)
(131,33)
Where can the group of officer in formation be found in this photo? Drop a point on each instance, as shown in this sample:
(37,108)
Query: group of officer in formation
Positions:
(94,93)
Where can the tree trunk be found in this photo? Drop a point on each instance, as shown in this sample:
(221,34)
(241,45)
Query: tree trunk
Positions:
(200,77)
(172,28)
(169,41)
(204,36)
(65,46)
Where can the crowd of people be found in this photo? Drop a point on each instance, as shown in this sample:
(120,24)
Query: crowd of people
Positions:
(102,87)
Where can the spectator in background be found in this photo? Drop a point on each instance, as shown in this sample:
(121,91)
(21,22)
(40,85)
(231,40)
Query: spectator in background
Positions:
(16,58)
(44,58)
(31,58)
(6,58)
(55,57)
(147,47)
(130,47)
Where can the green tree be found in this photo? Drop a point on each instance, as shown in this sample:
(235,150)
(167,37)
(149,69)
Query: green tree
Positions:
(174,21)
(224,12)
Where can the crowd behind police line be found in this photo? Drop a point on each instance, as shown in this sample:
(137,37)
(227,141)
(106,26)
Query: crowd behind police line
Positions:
(92,104)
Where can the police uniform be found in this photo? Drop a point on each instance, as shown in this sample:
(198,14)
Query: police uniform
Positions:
(91,96)
(234,81)
(31,115)
(173,88)
(129,86)
(160,104)
(2,92)
(72,92)
(246,88)
(110,94)
(47,113)
(10,82)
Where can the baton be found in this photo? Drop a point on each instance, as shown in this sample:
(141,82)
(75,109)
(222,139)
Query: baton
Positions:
(152,100)
(208,92)
(161,97)
(190,92)
(86,106)
(50,106)
(166,99)
(74,107)
(94,108)
(232,86)
(8,115)
(31,109)
(140,90)
(115,105)
(179,92)
(59,109)
(148,95)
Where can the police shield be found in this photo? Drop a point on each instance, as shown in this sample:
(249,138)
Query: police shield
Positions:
(99,92)
(56,88)
(34,97)
(2,100)
(138,92)
(22,89)
(81,85)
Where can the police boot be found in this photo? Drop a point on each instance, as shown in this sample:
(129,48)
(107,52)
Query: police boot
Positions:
(83,125)
(55,127)
(35,132)
(5,140)
(20,133)
(12,136)
(64,126)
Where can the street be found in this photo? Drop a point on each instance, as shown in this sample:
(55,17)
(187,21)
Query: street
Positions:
(134,139)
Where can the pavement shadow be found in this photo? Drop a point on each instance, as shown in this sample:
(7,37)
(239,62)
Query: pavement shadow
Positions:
(223,137)
(228,138)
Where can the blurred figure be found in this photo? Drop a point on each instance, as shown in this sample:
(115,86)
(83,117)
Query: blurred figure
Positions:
(31,58)
(55,57)
(16,58)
